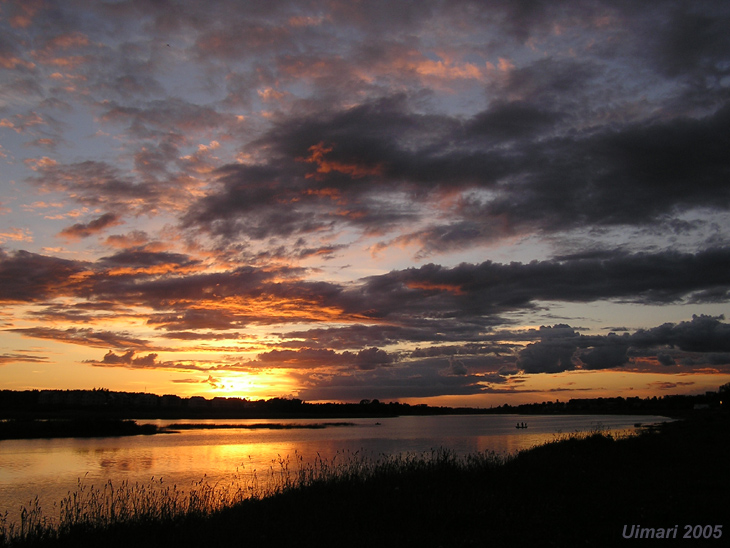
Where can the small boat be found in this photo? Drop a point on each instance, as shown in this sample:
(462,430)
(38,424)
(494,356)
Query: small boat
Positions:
(521,425)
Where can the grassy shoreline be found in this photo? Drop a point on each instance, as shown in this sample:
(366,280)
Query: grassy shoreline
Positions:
(16,429)
(577,491)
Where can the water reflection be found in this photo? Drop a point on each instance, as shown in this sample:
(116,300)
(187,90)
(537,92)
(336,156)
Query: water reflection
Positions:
(52,468)
(110,463)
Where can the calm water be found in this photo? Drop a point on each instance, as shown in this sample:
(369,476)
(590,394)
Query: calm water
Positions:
(50,468)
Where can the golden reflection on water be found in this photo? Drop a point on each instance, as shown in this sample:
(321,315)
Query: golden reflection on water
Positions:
(53,468)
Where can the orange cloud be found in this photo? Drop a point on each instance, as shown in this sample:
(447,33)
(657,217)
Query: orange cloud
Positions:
(153,270)
(23,122)
(448,71)
(38,164)
(64,41)
(22,13)
(11,62)
(16,235)
(427,286)
(305,21)
(318,155)
(270,94)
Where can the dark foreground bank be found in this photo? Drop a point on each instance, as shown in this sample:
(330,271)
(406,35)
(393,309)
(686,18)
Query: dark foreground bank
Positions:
(575,492)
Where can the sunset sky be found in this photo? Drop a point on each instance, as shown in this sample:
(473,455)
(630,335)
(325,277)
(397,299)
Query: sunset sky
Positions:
(449,202)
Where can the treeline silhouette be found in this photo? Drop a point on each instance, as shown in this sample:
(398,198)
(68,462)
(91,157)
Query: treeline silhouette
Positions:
(673,405)
(106,403)
(102,402)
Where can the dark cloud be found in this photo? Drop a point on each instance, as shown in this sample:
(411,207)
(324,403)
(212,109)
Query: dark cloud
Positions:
(389,384)
(695,41)
(336,166)
(21,358)
(84,336)
(705,337)
(162,116)
(84,230)
(510,121)
(548,90)
(134,239)
(430,303)
(97,184)
(128,358)
(560,348)
(631,175)
(202,336)
(556,148)
(214,382)
(132,360)
(610,353)
(458,367)
(251,145)
(28,277)
(370,358)
(668,385)
(143,258)
(468,348)
(198,319)
(702,334)
(80,312)
(412,329)
(366,359)
(470,290)
(551,356)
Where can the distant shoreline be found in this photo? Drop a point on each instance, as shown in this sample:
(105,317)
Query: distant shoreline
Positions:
(106,404)
(17,429)
(25,429)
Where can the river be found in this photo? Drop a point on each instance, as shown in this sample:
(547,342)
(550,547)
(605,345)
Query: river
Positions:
(52,468)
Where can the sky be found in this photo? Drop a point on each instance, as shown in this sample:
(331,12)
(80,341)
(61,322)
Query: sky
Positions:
(460,202)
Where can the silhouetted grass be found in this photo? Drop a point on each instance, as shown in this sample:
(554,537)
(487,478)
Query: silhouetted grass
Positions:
(575,491)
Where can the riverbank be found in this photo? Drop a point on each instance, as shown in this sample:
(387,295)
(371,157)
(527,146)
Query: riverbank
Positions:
(578,491)
(20,429)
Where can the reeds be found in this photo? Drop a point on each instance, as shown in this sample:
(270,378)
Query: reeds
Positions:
(92,507)
(32,526)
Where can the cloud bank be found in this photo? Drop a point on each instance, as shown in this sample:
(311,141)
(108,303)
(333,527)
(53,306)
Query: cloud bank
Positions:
(376,199)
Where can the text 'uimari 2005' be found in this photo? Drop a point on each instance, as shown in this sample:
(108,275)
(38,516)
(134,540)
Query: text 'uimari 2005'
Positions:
(686,531)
